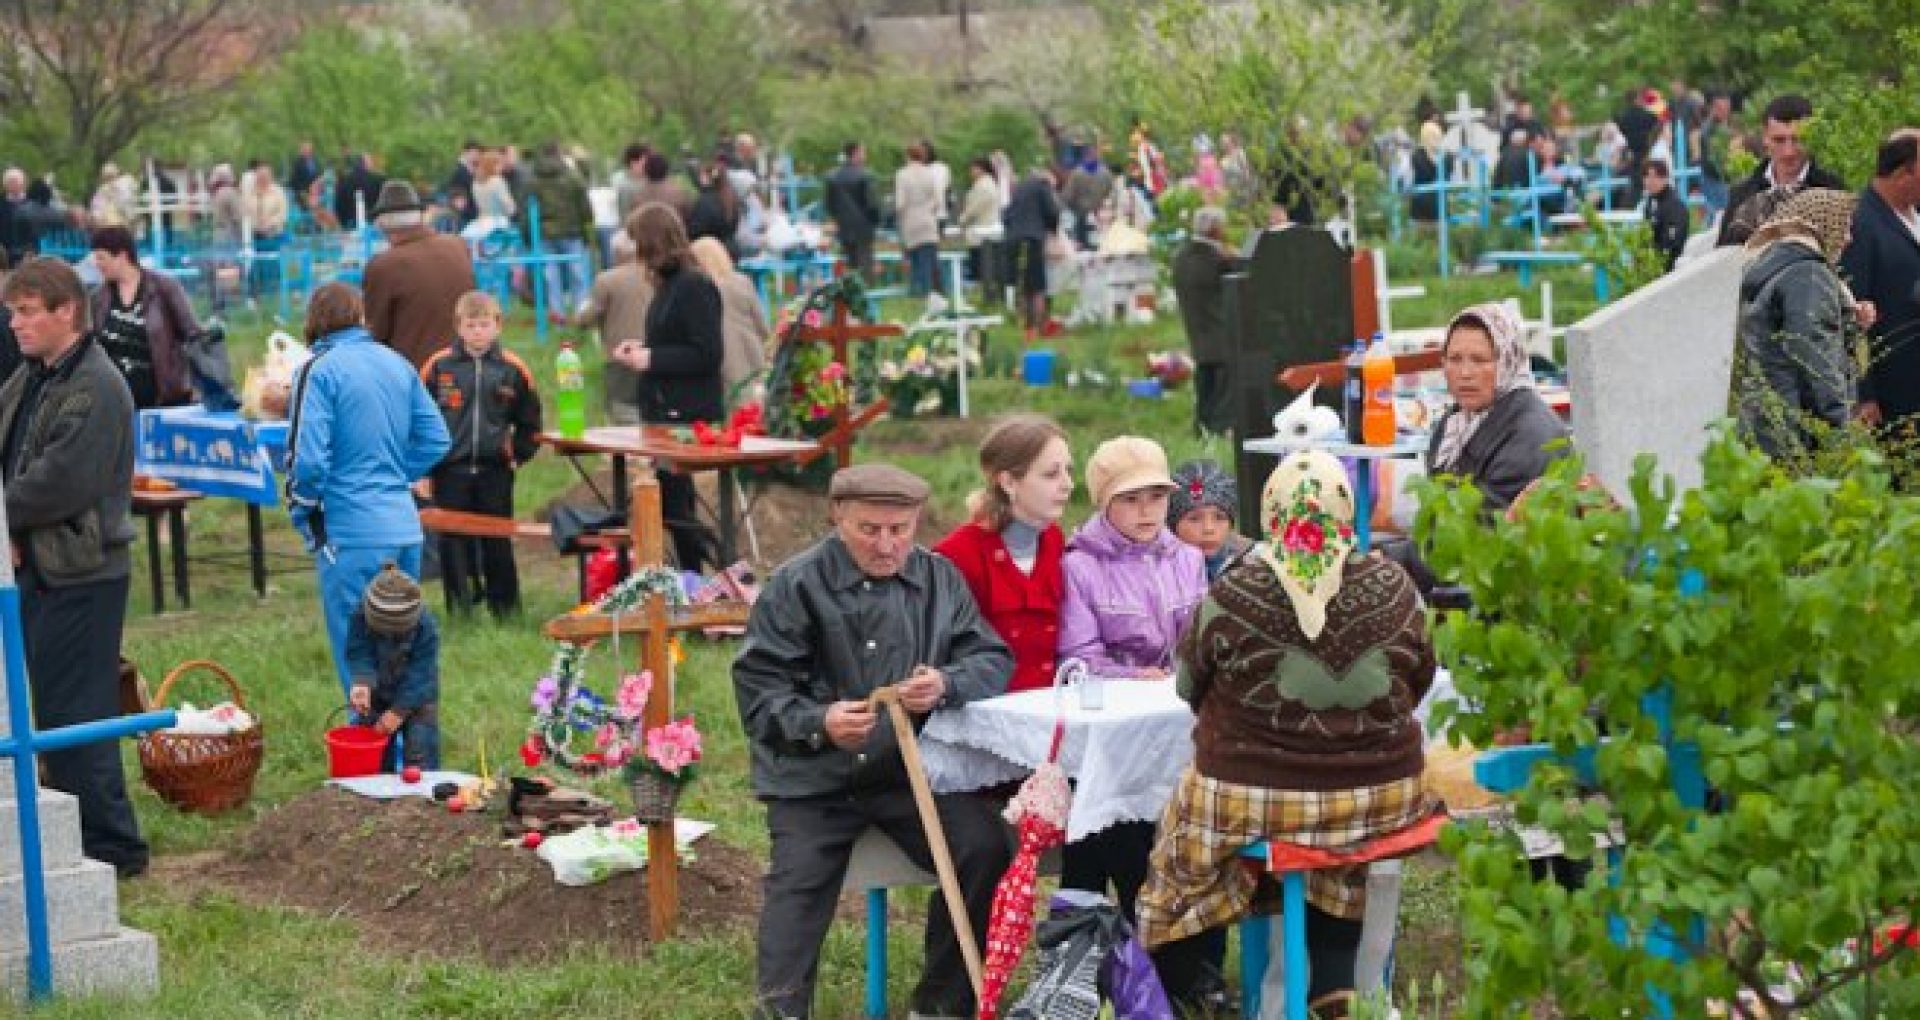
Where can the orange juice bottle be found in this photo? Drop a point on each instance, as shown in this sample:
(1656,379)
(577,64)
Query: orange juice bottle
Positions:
(1377,377)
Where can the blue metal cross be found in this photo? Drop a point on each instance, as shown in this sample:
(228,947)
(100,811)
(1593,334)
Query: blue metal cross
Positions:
(21,745)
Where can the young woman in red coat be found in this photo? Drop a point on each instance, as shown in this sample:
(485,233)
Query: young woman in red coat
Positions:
(1010,551)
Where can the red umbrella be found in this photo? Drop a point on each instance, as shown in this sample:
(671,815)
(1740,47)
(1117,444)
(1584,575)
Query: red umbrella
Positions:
(1039,811)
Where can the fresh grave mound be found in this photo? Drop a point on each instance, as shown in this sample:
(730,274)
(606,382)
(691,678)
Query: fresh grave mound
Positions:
(423,880)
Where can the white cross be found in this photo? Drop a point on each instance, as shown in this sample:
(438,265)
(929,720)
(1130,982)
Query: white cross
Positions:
(1464,115)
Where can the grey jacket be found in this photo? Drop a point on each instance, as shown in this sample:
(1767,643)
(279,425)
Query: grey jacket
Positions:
(823,632)
(70,485)
(1510,450)
(1792,364)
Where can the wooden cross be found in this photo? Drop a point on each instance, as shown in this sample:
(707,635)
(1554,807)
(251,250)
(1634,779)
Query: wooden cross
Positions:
(656,624)
(839,333)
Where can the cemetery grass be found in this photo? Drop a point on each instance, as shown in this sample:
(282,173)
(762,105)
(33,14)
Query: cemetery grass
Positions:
(226,955)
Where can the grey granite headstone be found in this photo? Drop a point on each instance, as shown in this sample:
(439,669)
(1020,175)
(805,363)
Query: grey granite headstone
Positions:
(1292,306)
(1650,372)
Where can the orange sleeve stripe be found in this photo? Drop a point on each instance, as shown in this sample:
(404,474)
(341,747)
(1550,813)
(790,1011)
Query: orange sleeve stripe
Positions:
(525,372)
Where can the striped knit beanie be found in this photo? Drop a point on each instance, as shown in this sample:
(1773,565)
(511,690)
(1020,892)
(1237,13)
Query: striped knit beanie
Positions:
(392,602)
(1199,483)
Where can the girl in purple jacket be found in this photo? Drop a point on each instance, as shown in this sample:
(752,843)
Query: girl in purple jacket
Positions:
(1132,588)
(1132,585)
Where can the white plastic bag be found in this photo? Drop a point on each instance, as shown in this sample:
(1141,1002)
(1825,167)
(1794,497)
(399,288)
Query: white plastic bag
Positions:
(596,852)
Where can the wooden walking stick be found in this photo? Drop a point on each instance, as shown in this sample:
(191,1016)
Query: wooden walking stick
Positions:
(936,834)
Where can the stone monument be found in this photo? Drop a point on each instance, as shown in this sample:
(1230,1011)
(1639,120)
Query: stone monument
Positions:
(1650,372)
(92,953)
(1293,305)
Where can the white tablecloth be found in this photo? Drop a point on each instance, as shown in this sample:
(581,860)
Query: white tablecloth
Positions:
(1126,757)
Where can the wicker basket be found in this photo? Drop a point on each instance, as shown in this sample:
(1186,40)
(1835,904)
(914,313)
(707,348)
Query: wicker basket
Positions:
(654,798)
(202,773)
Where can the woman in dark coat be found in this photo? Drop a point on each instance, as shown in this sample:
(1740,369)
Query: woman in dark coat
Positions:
(1499,435)
(679,363)
(144,321)
(716,212)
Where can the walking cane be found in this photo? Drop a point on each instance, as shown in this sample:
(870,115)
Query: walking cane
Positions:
(936,835)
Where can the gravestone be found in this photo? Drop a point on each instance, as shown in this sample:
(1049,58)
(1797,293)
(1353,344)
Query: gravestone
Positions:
(92,953)
(1293,305)
(1650,373)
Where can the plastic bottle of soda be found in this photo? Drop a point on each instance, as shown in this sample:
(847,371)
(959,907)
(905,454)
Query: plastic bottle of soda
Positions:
(570,392)
(1377,377)
(1353,396)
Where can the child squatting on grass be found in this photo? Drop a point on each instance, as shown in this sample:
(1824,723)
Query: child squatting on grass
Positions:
(393,656)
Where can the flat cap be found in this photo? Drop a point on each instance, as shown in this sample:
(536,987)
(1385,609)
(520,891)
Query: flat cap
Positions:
(877,483)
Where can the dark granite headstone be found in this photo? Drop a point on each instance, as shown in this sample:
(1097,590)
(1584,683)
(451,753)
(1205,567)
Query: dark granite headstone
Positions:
(1292,306)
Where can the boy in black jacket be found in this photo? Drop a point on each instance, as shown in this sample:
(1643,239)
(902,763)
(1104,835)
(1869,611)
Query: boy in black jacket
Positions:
(1666,212)
(492,410)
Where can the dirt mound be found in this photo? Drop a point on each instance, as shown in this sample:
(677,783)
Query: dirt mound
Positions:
(422,880)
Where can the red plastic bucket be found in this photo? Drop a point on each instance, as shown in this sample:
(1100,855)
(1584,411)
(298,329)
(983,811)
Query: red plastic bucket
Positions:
(355,751)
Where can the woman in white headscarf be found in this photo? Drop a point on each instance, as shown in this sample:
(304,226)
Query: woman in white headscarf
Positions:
(1303,668)
(1499,435)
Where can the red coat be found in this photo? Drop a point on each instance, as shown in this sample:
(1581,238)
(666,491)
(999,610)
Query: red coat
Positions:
(1023,608)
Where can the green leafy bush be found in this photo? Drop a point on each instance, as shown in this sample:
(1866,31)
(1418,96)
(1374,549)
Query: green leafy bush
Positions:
(1779,614)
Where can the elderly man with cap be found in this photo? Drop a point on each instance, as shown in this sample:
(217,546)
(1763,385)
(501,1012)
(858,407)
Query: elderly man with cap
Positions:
(412,286)
(862,609)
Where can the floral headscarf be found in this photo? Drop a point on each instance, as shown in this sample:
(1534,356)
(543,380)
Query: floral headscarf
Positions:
(1513,371)
(1307,510)
(1817,217)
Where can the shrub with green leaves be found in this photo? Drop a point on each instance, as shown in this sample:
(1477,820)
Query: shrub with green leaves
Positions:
(1781,614)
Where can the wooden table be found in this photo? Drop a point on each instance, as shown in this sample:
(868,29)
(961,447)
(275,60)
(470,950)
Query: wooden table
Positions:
(654,444)
(172,505)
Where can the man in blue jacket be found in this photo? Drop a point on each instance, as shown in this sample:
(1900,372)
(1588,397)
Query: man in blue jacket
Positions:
(363,430)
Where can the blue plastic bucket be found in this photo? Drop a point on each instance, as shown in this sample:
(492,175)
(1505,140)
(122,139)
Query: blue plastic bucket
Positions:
(1148,388)
(1036,368)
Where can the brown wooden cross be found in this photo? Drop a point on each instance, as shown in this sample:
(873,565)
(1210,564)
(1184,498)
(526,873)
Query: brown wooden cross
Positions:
(656,624)
(839,332)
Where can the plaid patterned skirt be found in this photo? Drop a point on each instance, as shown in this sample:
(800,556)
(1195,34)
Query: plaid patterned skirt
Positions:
(1197,880)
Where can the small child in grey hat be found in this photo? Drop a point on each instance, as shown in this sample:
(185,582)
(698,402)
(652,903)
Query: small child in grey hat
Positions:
(1201,513)
(393,656)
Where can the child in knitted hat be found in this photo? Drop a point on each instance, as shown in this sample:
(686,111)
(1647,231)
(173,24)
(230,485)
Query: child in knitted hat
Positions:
(393,655)
(1201,513)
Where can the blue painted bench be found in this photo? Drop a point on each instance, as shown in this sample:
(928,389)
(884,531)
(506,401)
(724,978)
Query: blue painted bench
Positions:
(1524,261)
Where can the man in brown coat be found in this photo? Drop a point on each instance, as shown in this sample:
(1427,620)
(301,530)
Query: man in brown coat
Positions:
(411,287)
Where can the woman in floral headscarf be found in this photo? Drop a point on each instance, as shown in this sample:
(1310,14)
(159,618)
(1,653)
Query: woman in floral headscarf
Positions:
(1499,435)
(1793,369)
(1303,669)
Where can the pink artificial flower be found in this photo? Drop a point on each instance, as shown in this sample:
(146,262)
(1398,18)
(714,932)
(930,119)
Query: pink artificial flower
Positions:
(627,828)
(605,736)
(632,697)
(833,371)
(617,754)
(818,411)
(812,318)
(674,746)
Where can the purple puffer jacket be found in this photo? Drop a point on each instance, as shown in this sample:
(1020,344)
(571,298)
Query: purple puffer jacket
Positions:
(1127,602)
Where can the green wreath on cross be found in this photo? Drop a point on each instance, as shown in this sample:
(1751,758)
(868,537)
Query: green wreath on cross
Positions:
(563,704)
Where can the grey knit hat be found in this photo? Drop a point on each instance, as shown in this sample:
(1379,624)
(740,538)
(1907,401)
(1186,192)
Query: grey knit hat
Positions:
(1202,483)
(392,602)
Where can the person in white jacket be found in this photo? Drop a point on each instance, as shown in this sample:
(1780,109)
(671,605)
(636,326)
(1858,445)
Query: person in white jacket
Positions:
(917,203)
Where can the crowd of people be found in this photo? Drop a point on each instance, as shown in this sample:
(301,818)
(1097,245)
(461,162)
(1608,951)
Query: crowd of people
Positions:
(1302,656)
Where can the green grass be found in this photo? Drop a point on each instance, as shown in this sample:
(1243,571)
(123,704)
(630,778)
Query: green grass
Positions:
(224,959)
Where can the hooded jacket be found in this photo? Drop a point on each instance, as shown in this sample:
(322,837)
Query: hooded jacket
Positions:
(363,430)
(1127,603)
(1793,350)
(489,404)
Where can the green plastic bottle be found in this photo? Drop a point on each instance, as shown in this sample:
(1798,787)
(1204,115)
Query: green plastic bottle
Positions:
(570,388)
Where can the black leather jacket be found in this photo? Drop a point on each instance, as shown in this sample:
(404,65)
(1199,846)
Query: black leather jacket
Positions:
(823,632)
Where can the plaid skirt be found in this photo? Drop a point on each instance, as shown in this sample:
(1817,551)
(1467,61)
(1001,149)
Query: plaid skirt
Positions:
(1197,880)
